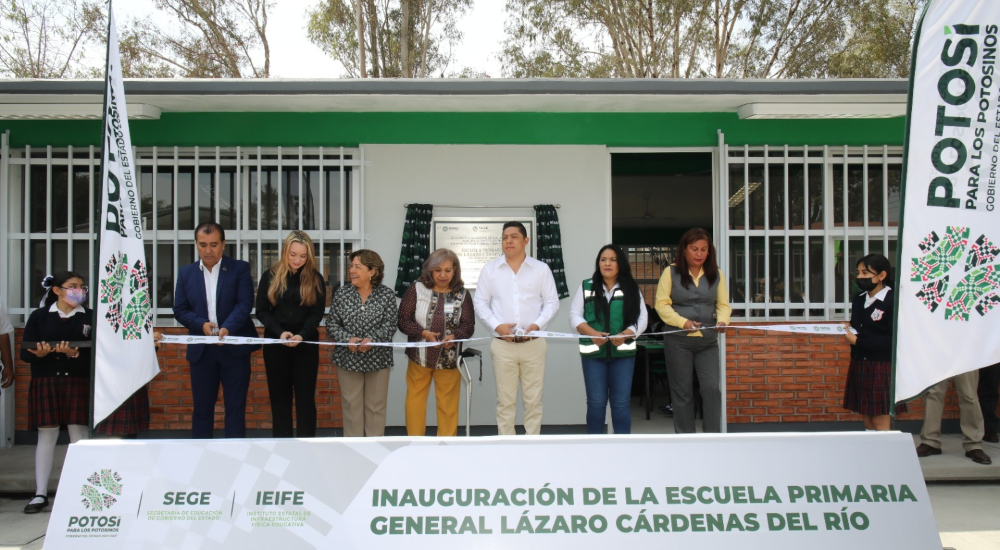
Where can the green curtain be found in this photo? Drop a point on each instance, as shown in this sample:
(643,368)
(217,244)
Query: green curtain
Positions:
(549,248)
(416,245)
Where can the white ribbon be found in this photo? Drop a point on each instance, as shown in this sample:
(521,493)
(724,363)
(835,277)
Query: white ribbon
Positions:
(805,328)
(239,340)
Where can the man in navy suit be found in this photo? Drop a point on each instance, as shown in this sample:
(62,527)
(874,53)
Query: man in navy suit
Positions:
(214,297)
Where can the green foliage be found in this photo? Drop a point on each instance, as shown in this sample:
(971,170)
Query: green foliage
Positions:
(214,39)
(708,38)
(432,37)
(880,42)
(210,38)
(47,38)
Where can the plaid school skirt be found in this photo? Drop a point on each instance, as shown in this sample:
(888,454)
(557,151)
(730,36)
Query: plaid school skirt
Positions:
(130,418)
(869,385)
(58,401)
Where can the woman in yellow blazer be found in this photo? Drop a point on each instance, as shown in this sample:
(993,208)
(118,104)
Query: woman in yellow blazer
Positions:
(692,294)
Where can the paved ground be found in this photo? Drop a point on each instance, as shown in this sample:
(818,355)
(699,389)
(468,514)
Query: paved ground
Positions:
(967,512)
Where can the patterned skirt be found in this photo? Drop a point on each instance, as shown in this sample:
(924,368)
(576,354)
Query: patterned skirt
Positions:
(130,418)
(58,401)
(869,388)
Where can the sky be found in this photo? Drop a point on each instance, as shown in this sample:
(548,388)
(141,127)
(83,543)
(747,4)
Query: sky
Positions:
(293,56)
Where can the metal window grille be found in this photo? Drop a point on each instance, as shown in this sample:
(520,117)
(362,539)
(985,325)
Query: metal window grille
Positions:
(797,221)
(257,195)
(648,263)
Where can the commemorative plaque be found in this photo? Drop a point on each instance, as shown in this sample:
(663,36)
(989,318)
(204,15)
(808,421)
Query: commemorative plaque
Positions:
(476,241)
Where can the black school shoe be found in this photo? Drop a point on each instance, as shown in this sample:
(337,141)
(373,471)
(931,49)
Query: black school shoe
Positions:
(38,506)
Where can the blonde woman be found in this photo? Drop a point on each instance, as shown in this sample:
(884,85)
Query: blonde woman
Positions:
(436,308)
(291,301)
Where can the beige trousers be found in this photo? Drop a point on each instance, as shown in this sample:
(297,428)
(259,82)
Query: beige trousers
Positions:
(971,416)
(362,400)
(525,363)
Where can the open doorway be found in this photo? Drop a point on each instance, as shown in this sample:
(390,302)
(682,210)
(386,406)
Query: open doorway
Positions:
(656,197)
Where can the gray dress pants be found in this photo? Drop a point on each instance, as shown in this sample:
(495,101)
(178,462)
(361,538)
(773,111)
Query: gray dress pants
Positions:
(687,357)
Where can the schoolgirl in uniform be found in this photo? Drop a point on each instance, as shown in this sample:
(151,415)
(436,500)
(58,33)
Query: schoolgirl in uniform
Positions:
(869,378)
(59,393)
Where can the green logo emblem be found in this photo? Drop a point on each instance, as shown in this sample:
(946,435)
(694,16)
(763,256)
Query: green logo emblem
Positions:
(137,315)
(952,258)
(101,489)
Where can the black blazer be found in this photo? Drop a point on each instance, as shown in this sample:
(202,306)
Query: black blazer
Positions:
(233,303)
(47,326)
(874,326)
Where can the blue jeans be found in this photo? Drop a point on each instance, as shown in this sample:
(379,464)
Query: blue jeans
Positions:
(608,379)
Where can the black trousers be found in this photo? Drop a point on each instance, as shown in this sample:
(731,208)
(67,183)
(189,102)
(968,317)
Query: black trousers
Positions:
(989,381)
(217,365)
(291,373)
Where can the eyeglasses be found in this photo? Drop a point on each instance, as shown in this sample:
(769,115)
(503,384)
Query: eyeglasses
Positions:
(84,288)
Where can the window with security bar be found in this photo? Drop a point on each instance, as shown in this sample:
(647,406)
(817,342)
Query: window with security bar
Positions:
(648,263)
(257,194)
(797,222)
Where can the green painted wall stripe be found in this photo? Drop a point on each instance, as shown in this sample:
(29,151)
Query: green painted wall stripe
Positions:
(351,129)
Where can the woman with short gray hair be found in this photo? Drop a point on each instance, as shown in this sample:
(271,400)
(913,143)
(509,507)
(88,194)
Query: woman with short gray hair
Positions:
(436,308)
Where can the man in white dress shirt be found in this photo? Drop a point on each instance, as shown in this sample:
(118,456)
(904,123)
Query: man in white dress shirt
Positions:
(516,294)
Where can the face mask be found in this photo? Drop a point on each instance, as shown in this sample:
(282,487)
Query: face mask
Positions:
(75,296)
(866,285)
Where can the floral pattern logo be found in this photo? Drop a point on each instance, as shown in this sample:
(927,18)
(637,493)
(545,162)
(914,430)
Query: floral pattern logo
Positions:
(943,261)
(136,316)
(101,489)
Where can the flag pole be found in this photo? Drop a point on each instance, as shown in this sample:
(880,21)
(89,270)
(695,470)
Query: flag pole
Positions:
(97,245)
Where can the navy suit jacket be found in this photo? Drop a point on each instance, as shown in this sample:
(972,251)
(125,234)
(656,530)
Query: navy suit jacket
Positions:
(233,304)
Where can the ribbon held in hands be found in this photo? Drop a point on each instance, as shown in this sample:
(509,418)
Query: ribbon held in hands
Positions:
(804,328)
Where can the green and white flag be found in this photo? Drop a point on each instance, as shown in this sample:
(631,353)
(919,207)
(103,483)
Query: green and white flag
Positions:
(124,355)
(949,276)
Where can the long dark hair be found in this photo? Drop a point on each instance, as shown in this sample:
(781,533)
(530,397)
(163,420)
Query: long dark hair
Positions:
(877,263)
(57,280)
(626,283)
(711,266)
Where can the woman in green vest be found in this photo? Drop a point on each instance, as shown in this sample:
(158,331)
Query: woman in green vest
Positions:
(610,308)
(692,295)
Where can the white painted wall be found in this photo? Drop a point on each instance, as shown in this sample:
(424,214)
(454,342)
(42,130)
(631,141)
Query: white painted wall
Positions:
(576,177)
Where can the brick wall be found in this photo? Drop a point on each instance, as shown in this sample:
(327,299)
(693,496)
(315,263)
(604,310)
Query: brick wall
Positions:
(770,377)
(170,402)
(784,377)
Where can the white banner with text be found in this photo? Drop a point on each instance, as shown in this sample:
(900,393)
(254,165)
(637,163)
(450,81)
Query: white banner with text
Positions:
(124,356)
(950,238)
(792,491)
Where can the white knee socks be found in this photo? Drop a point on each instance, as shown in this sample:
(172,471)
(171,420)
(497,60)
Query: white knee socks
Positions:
(77,432)
(44,453)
